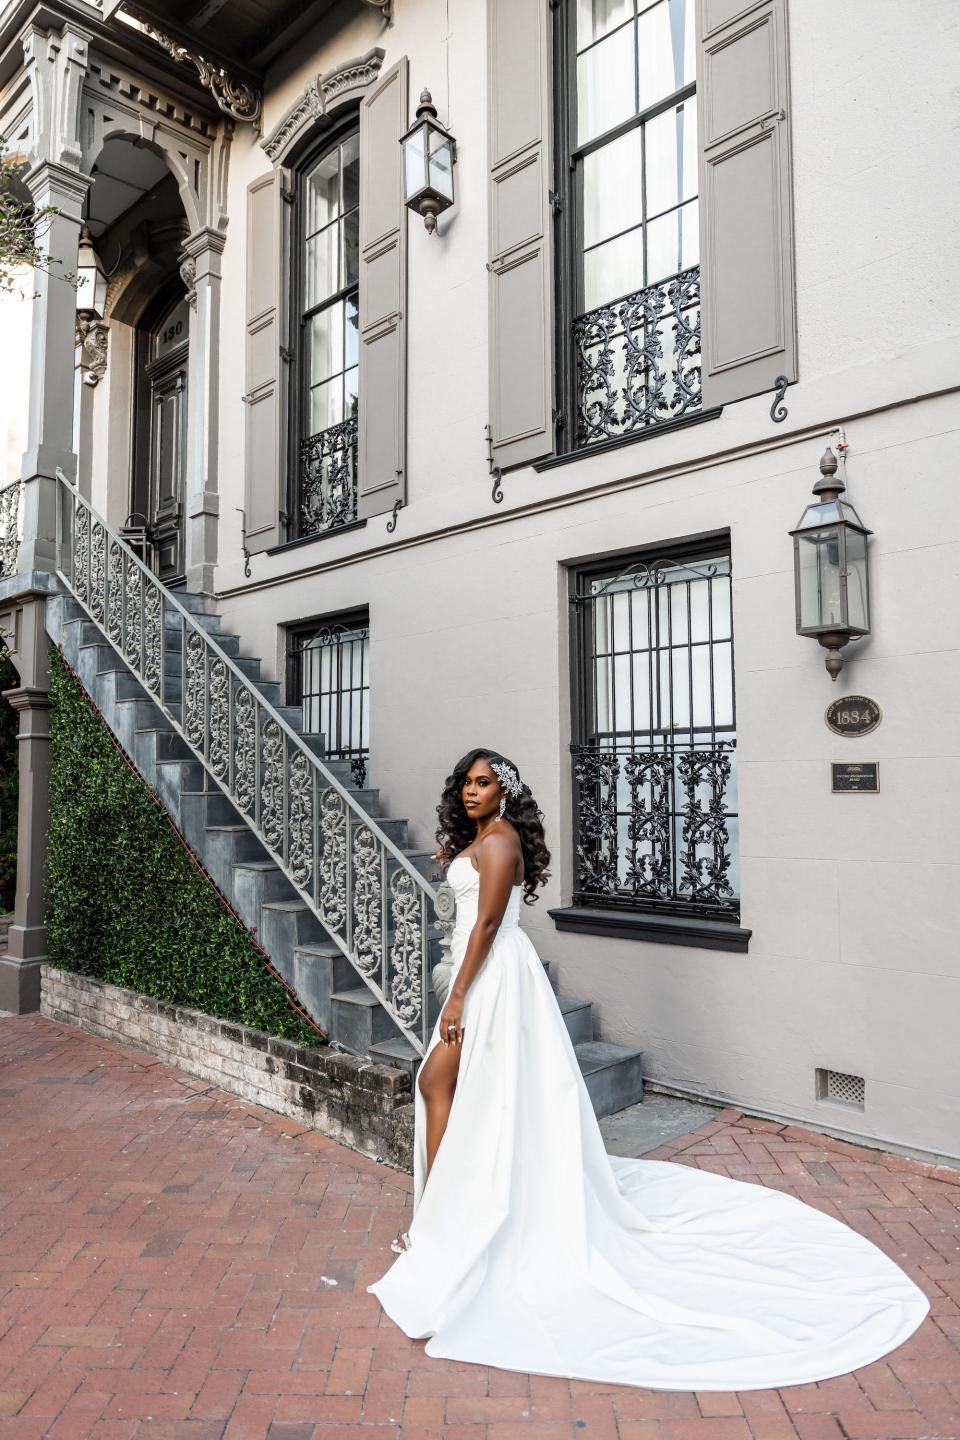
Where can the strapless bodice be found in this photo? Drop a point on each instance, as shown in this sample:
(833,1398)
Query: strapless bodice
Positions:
(465,883)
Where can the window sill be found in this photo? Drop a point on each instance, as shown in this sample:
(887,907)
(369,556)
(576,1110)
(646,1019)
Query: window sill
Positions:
(603,446)
(658,929)
(310,539)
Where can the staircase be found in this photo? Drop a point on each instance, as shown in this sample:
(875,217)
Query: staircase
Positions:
(364,974)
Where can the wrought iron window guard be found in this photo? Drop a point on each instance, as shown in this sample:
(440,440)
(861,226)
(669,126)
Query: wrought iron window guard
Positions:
(346,735)
(653,828)
(9,527)
(654,758)
(327,494)
(373,903)
(637,360)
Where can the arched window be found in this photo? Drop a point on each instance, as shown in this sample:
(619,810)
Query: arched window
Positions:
(326,308)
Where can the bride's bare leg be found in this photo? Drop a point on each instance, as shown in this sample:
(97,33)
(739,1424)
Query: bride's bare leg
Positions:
(437,1081)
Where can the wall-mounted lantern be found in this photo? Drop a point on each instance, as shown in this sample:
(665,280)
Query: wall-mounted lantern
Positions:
(830,568)
(429,155)
(91,279)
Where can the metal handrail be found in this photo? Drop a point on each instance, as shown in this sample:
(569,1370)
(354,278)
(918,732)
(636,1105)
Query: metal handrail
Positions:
(332,852)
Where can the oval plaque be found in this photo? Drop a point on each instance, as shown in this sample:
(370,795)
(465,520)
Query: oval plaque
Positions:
(853,715)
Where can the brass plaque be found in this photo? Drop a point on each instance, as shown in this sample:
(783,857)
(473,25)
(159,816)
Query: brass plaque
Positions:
(856,777)
(853,715)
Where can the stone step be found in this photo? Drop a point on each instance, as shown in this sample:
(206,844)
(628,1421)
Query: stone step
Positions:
(397,1051)
(284,926)
(254,883)
(320,971)
(612,1073)
(358,1020)
(578,1018)
(173,641)
(196,604)
(172,620)
(222,847)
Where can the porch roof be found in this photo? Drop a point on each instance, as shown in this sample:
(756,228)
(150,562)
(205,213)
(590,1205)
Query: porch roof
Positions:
(245,35)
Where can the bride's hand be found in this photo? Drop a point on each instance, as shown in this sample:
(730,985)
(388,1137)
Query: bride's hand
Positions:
(451,1021)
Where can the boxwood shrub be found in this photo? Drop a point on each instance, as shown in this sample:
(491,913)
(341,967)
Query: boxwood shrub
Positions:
(128,903)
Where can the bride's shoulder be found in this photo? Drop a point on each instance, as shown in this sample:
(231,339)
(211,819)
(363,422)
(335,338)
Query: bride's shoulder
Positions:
(503,843)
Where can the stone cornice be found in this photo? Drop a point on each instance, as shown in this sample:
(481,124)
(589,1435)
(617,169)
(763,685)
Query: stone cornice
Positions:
(325,92)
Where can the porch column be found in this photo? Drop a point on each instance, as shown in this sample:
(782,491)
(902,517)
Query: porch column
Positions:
(201,271)
(56,63)
(27,937)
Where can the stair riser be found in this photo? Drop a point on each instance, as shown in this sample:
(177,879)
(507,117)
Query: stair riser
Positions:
(616,1086)
(253,888)
(579,1024)
(172,778)
(316,978)
(357,1027)
(173,621)
(281,931)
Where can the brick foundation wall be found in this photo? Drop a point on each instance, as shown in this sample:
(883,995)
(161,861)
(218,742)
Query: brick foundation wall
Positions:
(368,1107)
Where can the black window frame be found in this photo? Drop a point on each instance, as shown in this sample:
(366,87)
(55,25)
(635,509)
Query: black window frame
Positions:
(328,138)
(608,909)
(346,621)
(567,201)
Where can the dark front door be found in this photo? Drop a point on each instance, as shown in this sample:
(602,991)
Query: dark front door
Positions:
(159,481)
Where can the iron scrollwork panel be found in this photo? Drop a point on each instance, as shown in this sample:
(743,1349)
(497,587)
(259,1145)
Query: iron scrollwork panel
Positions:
(706,857)
(328,478)
(596,777)
(367,899)
(407,957)
(9,525)
(637,360)
(653,828)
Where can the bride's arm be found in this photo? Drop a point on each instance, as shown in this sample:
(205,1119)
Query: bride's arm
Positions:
(497,859)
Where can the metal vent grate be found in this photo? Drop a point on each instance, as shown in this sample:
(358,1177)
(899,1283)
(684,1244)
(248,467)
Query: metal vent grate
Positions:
(841,1089)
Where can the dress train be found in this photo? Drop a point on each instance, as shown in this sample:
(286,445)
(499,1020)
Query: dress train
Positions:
(533,1250)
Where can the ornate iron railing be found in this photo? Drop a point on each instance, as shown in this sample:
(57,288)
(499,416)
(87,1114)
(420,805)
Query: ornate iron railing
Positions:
(9,527)
(637,360)
(327,495)
(653,828)
(372,902)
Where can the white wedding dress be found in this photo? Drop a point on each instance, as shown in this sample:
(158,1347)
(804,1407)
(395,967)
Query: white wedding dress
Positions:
(531,1249)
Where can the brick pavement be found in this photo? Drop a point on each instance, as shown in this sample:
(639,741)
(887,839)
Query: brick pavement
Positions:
(177,1264)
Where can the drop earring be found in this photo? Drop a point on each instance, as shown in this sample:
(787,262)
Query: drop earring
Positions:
(503,807)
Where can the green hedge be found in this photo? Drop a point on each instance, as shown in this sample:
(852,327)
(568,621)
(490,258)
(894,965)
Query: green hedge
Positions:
(127,903)
(9,786)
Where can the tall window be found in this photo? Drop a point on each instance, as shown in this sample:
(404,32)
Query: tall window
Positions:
(628,76)
(654,753)
(329,217)
(329,675)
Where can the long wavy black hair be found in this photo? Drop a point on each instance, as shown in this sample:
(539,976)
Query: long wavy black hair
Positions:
(456,830)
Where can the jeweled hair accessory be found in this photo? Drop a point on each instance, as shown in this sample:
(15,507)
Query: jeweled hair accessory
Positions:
(508,778)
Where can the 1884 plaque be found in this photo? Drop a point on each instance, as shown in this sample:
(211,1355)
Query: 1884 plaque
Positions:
(853,715)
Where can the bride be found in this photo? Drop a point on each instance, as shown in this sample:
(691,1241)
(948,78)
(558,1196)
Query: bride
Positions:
(530,1248)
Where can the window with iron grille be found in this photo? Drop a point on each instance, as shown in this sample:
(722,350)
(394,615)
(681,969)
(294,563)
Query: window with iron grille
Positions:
(329,675)
(327,304)
(630,278)
(654,752)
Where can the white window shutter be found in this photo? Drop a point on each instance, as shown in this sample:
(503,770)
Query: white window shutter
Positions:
(521,232)
(381,462)
(746,203)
